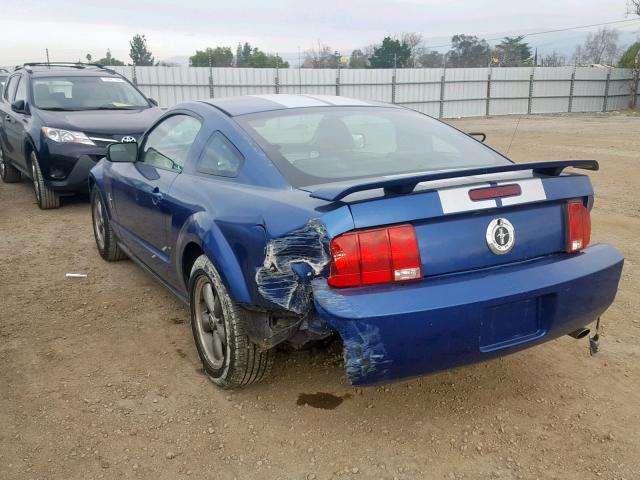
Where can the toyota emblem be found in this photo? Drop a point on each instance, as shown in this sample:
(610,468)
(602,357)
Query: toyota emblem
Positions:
(128,139)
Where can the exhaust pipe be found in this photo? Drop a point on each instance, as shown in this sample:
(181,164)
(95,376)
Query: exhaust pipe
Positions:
(579,333)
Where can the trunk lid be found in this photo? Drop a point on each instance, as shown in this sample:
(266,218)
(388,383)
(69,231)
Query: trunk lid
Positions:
(452,229)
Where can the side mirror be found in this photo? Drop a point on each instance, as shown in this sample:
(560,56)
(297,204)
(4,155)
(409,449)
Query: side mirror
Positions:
(153,102)
(122,152)
(483,136)
(19,106)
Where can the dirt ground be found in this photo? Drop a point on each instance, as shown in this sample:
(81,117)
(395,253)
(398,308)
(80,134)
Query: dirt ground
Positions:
(99,377)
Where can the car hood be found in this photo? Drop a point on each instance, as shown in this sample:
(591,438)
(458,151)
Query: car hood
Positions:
(102,121)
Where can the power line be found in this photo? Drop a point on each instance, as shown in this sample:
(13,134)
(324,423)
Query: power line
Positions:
(548,31)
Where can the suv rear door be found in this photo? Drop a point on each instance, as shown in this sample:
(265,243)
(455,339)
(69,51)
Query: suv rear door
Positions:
(15,122)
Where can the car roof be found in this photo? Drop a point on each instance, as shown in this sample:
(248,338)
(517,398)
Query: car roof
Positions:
(246,104)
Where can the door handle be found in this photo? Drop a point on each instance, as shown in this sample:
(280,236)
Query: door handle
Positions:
(156,196)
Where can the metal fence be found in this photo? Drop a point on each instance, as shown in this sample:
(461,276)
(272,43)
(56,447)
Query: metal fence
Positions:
(442,93)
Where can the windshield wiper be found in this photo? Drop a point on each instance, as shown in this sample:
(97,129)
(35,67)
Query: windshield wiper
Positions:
(115,108)
(59,109)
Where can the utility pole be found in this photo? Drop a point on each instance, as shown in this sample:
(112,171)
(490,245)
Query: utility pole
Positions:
(47,50)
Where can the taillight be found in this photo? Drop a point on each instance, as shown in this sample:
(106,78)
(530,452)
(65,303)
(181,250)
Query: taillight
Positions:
(369,257)
(578,226)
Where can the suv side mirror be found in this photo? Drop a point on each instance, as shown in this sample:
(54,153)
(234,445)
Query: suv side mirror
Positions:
(19,106)
(153,102)
(122,152)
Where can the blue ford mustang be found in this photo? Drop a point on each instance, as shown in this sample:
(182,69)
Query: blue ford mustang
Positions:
(284,218)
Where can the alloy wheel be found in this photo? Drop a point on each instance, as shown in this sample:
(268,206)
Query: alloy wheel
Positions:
(99,223)
(210,324)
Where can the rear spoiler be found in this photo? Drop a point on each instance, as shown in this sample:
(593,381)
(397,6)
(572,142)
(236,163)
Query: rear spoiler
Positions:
(406,184)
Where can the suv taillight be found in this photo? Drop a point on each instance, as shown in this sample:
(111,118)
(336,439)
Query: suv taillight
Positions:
(578,226)
(380,255)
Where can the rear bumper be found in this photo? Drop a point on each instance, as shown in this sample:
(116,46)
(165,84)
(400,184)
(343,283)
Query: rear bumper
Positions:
(401,331)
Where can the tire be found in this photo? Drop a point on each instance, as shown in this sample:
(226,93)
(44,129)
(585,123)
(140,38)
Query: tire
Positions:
(8,172)
(229,358)
(106,240)
(45,197)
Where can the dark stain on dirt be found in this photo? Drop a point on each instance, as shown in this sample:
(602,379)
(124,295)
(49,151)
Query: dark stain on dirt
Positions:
(181,353)
(177,320)
(325,401)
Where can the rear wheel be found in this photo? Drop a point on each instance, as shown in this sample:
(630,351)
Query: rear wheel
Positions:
(46,198)
(229,358)
(8,172)
(102,231)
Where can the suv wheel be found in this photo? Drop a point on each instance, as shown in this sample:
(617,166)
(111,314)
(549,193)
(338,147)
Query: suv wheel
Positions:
(105,237)
(229,358)
(8,172)
(46,198)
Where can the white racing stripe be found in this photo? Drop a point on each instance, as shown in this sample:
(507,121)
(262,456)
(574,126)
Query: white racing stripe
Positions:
(532,191)
(456,199)
(292,101)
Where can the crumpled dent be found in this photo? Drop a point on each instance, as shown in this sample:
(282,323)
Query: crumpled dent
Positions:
(290,263)
(364,352)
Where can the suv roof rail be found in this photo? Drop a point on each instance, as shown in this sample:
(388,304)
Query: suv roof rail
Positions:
(78,65)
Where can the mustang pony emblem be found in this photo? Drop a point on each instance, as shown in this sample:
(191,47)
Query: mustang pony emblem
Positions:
(500,236)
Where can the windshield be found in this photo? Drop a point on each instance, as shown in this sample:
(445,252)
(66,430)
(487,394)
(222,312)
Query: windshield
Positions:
(312,146)
(86,93)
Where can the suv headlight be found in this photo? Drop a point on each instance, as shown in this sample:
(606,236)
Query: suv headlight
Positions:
(66,136)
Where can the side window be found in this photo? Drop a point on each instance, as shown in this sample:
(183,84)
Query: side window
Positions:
(10,88)
(168,144)
(21,91)
(220,157)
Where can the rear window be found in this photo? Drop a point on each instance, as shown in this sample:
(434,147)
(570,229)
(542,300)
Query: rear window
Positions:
(86,93)
(321,145)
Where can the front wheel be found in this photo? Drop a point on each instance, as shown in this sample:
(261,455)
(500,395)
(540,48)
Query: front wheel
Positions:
(102,231)
(229,358)
(46,198)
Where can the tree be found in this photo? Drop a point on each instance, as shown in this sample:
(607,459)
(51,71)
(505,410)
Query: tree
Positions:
(468,51)
(324,57)
(554,59)
(88,57)
(243,55)
(109,60)
(513,52)
(256,58)
(635,6)
(392,53)
(215,57)
(139,52)
(430,59)
(599,48)
(631,57)
(413,41)
(358,59)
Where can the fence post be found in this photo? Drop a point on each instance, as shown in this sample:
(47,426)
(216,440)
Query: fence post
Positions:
(338,82)
(529,105)
(276,81)
(135,78)
(442,85)
(394,86)
(488,107)
(210,81)
(605,101)
(571,87)
(635,85)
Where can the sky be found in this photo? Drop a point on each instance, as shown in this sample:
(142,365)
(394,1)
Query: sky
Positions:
(71,29)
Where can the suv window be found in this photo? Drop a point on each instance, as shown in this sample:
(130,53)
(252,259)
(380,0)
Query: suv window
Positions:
(86,93)
(220,157)
(168,144)
(21,91)
(10,88)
